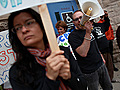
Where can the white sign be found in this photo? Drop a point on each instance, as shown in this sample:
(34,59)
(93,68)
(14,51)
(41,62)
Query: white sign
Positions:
(7,56)
(62,40)
(67,18)
(8,6)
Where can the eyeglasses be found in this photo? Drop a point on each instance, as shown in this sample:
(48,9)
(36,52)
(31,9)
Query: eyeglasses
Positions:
(76,19)
(28,24)
(60,29)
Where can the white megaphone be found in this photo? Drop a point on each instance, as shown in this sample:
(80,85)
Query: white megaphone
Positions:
(90,10)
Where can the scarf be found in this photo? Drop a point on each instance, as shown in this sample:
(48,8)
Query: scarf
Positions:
(41,56)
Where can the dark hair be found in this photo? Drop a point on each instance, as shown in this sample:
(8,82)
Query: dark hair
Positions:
(76,11)
(105,10)
(62,24)
(13,37)
(25,62)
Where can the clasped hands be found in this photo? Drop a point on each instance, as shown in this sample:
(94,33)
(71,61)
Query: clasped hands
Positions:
(57,65)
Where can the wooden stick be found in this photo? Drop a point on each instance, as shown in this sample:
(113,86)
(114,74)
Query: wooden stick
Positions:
(48,27)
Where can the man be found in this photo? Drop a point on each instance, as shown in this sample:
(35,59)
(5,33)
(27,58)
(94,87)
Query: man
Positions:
(109,35)
(88,56)
(103,44)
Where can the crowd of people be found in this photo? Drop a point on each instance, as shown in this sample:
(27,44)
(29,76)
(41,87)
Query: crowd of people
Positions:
(81,41)
(84,61)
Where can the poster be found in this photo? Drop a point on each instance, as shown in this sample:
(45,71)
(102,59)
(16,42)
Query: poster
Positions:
(8,6)
(7,56)
(67,17)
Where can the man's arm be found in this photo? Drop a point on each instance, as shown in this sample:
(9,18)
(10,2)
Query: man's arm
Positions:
(106,23)
(84,48)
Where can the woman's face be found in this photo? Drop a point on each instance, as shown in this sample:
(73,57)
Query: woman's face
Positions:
(30,34)
(61,30)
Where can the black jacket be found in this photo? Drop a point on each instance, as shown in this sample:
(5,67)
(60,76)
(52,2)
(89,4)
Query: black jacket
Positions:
(41,82)
(99,33)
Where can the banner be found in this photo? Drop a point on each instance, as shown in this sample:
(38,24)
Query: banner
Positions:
(62,40)
(8,6)
(7,56)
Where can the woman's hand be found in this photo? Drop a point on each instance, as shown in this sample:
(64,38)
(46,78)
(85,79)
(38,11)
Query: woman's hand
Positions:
(65,71)
(54,63)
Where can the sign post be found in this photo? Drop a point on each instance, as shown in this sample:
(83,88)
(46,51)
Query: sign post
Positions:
(48,27)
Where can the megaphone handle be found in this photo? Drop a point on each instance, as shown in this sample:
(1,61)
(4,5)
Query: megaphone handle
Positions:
(89,11)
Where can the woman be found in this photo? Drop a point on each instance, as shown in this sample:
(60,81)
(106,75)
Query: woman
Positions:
(36,68)
(61,27)
(62,39)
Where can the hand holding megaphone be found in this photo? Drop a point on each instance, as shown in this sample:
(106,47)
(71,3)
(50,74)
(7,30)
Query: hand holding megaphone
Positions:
(89,9)
(88,26)
(86,16)
(85,19)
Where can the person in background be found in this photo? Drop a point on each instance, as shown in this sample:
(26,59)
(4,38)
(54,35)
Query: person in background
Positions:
(118,36)
(36,67)
(88,56)
(62,39)
(61,27)
(103,44)
(109,35)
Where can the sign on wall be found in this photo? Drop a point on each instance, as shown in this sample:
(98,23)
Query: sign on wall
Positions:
(67,17)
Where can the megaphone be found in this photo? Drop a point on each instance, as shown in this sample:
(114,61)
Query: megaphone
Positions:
(90,9)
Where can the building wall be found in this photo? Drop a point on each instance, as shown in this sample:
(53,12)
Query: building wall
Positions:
(113,8)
